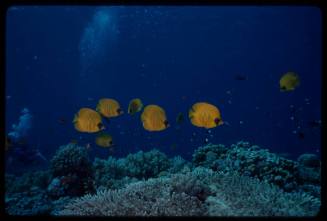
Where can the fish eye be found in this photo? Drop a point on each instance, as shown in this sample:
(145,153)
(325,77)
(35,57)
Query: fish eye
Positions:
(217,121)
(166,123)
(100,126)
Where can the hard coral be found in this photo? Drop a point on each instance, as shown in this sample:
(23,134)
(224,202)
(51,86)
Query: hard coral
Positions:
(32,202)
(23,183)
(146,164)
(155,197)
(236,195)
(114,173)
(200,192)
(70,159)
(106,172)
(72,166)
(250,160)
(206,155)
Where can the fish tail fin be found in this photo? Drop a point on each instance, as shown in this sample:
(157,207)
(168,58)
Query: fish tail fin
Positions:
(97,108)
(191,113)
(75,118)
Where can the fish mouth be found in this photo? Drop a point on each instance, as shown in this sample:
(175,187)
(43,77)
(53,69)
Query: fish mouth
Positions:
(101,126)
(120,111)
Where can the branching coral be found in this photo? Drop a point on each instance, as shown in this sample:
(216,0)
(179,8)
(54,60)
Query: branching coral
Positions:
(200,192)
(178,164)
(155,197)
(250,160)
(237,195)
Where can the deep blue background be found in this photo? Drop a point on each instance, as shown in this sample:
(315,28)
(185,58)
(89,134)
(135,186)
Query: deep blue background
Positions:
(173,57)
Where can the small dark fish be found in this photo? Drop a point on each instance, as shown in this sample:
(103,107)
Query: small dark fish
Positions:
(180,118)
(73,141)
(62,121)
(301,135)
(240,77)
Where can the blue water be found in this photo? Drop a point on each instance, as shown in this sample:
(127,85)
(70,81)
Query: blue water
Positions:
(60,59)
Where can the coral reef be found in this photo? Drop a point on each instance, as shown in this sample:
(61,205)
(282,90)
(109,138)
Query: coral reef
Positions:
(209,156)
(251,160)
(178,164)
(72,159)
(309,169)
(240,180)
(200,192)
(154,197)
(146,164)
(309,160)
(108,172)
(236,195)
(34,201)
(309,174)
(115,173)
(59,204)
(30,202)
(23,183)
(72,172)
